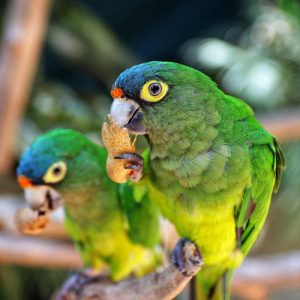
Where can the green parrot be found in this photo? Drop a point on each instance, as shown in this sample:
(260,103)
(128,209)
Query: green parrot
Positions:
(212,166)
(63,166)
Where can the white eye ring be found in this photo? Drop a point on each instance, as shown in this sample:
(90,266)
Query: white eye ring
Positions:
(56,172)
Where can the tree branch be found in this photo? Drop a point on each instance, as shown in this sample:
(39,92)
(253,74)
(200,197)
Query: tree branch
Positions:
(285,124)
(261,275)
(163,285)
(38,252)
(19,56)
(257,277)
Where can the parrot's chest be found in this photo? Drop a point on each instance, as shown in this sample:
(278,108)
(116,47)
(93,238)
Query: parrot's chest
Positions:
(198,193)
(93,227)
(206,218)
(212,228)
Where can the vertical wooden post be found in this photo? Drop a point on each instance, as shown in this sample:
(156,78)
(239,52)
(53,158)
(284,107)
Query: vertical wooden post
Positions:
(19,55)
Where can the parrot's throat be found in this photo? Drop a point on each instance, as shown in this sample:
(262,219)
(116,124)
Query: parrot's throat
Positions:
(86,205)
(182,152)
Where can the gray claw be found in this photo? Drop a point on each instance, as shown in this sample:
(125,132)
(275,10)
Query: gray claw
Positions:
(75,284)
(186,257)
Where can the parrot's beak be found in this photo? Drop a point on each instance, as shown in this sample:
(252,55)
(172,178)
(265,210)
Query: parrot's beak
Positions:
(127,113)
(41,197)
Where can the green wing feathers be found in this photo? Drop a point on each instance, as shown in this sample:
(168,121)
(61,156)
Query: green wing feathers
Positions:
(141,214)
(279,164)
(267,162)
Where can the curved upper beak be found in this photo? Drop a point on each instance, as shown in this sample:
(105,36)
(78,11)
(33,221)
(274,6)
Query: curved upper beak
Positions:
(41,197)
(127,113)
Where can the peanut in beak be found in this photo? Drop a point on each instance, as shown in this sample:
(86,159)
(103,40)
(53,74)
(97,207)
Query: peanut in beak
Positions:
(117,141)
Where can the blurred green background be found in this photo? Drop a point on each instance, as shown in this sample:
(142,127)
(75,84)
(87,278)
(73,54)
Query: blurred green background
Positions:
(250,48)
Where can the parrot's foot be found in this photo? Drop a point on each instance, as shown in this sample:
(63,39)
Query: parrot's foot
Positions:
(75,284)
(134,163)
(186,257)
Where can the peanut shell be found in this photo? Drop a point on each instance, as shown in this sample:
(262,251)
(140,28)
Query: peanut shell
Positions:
(117,141)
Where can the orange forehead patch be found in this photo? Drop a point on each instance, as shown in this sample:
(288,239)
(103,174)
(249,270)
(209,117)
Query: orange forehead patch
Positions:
(24,182)
(117,93)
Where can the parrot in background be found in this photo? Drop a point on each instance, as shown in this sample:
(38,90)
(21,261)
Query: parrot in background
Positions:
(65,166)
(212,166)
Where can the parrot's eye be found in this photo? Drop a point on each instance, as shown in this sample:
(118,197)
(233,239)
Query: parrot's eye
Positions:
(56,172)
(154,91)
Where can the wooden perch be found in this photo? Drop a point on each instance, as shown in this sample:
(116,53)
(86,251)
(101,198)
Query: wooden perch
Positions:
(20,51)
(259,276)
(163,285)
(285,125)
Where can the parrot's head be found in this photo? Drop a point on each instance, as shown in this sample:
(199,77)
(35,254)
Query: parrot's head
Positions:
(54,163)
(151,97)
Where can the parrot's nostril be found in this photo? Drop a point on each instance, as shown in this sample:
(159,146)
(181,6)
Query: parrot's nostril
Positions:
(117,93)
(24,182)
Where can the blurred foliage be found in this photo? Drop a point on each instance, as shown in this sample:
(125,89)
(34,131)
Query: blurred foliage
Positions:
(58,105)
(55,105)
(263,66)
(292,7)
(77,35)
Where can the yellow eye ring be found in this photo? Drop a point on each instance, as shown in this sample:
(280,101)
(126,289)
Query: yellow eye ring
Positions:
(56,172)
(154,91)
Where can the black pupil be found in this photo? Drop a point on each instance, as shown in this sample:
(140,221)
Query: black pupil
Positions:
(155,89)
(56,171)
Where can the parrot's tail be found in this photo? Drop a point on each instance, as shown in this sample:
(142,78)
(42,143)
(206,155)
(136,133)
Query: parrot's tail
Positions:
(219,290)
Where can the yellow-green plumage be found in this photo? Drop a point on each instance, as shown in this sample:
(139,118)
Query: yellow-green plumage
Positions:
(95,219)
(210,162)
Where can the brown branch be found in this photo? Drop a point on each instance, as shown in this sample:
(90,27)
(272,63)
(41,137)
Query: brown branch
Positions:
(20,51)
(37,252)
(163,285)
(285,125)
(257,277)
(261,275)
